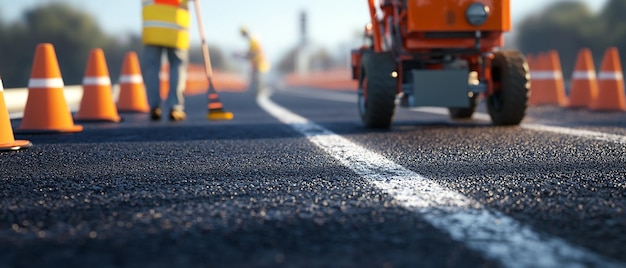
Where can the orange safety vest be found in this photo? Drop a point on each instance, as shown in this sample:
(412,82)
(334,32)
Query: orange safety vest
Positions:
(166,23)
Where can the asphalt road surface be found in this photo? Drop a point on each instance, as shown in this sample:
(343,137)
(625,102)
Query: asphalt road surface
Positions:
(295,180)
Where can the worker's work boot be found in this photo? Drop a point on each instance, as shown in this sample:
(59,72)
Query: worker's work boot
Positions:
(177,115)
(155,114)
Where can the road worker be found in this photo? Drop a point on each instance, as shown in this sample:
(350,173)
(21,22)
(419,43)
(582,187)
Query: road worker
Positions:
(258,63)
(166,30)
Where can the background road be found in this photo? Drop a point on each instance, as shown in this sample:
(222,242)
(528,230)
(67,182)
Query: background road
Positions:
(319,190)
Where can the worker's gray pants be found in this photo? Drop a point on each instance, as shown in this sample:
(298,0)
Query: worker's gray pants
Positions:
(256,82)
(151,67)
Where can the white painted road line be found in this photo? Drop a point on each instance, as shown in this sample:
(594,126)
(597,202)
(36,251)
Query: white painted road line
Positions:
(536,127)
(351,98)
(326,95)
(492,233)
(578,132)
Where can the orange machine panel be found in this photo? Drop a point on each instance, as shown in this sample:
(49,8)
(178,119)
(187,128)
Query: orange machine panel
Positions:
(449,15)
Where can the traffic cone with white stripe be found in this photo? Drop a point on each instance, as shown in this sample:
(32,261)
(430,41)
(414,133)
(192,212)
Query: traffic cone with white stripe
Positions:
(46,109)
(537,78)
(7,140)
(584,89)
(611,95)
(552,90)
(132,89)
(97,102)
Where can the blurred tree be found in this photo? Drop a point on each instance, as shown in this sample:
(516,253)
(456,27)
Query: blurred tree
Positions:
(73,33)
(287,63)
(564,26)
(218,59)
(569,26)
(612,13)
(115,51)
(614,25)
(319,59)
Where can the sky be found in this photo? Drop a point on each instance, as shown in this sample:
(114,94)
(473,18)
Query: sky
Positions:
(332,23)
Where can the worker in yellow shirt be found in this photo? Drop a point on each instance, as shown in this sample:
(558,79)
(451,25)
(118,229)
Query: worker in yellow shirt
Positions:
(258,62)
(166,30)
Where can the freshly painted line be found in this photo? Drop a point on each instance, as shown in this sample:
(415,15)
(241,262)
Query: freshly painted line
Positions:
(578,132)
(595,135)
(492,233)
(327,95)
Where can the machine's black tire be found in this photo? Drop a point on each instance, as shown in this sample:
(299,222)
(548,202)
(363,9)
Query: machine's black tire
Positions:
(464,113)
(507,106)
(377,90)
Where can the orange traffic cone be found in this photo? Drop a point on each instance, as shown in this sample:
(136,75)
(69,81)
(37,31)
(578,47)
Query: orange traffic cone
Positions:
(46,109)
(584,87)
(7,140)
(132,90)
(610,83)
(537,79)
(97,102)
(554,87)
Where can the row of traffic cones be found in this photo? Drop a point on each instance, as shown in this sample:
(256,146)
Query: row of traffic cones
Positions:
(47,111)
(603,92)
